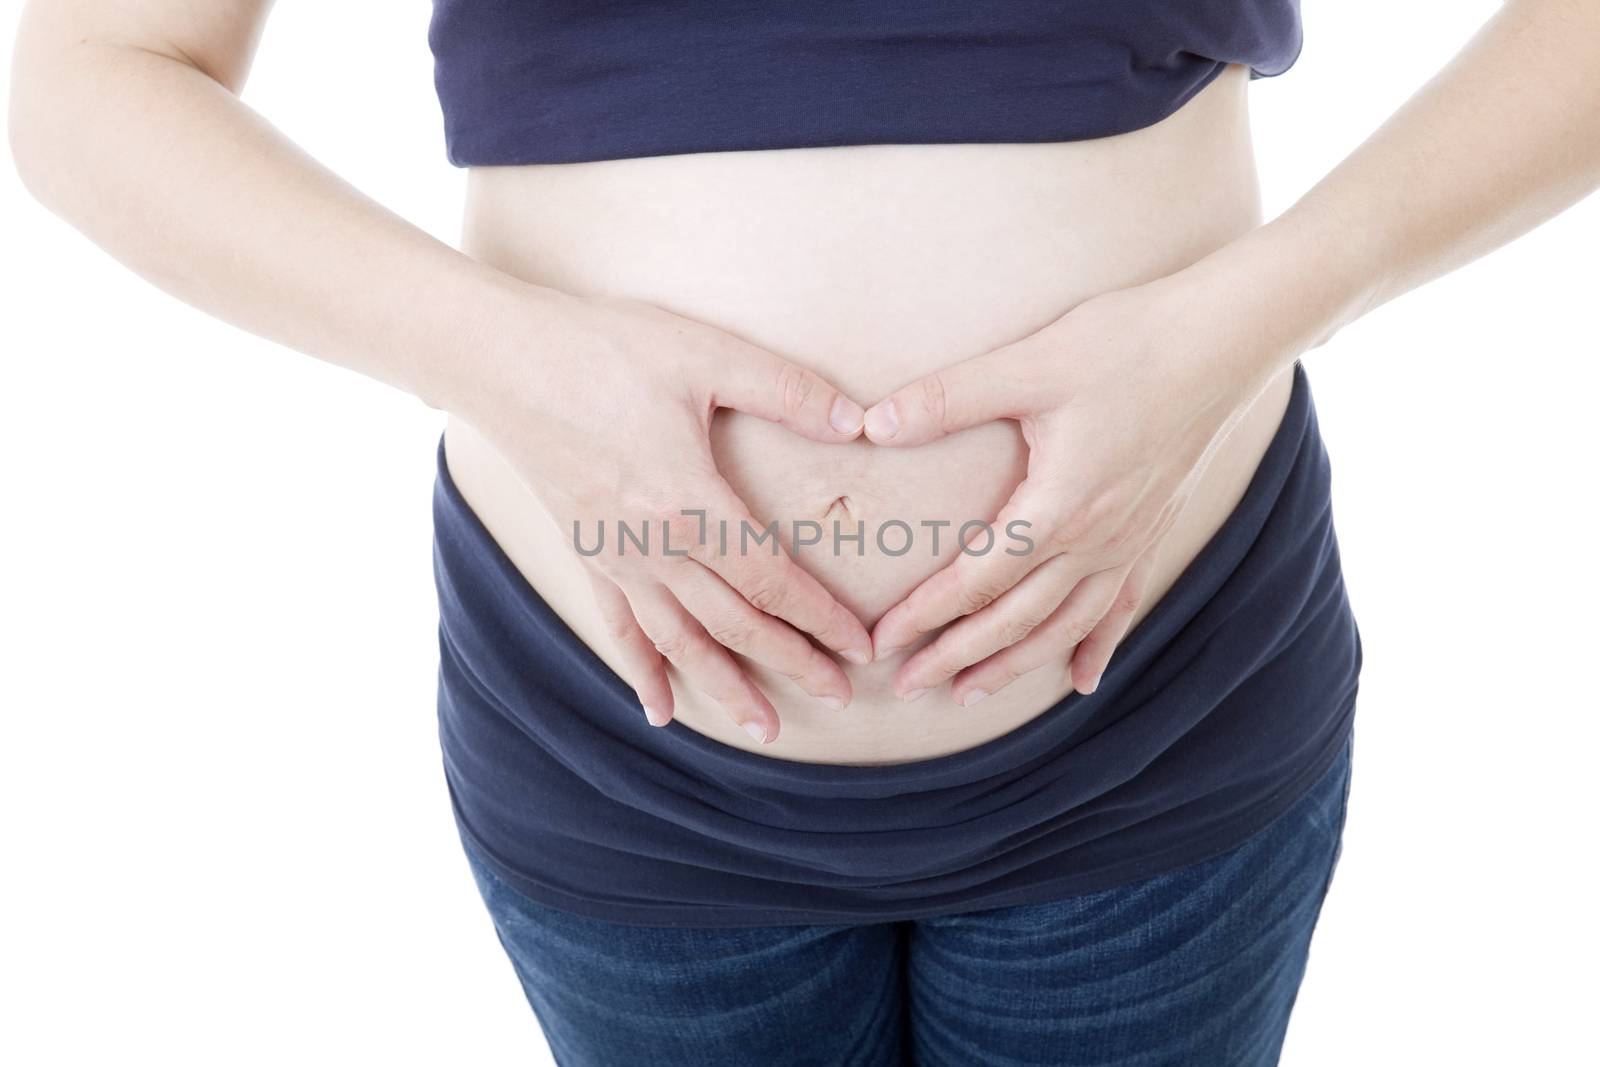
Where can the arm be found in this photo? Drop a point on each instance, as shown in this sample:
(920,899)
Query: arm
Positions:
(1504,138)
(126,122)
(1125,397)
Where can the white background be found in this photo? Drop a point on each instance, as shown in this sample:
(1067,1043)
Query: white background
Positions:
(225,826)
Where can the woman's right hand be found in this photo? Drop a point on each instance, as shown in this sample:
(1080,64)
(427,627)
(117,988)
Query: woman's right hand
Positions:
(607,417)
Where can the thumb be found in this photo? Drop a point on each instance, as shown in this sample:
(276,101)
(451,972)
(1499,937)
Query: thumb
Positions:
(970,393)
(764,385)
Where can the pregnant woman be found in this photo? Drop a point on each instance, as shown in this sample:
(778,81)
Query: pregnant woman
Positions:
(890,607)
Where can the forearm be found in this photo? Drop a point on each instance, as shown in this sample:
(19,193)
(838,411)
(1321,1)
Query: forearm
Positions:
(172,174)
(1505,137)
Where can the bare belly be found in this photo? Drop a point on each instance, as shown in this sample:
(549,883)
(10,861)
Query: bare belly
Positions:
(871,265)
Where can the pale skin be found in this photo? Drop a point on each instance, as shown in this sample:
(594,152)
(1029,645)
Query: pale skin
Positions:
(1124,398)
(1118,432)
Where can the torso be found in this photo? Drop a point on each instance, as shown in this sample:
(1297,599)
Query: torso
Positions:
(872,265)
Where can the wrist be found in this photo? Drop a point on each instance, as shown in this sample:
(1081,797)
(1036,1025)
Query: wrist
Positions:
(507,337)
(1286,287)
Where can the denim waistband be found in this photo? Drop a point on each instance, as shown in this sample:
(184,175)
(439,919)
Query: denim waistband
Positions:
(1230,696)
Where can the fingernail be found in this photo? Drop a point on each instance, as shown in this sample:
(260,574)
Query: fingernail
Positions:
(882,651)
(973,697)
(756,730)
(1093,685)
(654,717)
(855,655)
(883,422)
(833,702)
(912,694)
(845,416)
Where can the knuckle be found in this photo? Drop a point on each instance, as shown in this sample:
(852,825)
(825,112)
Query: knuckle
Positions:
(798,675)
(1075,629)
(795,388)
(805,671)
(973,598)
(767,593)
(1013,629)
(673,646)
(945,656)
(933,397)
(909,632)
(730,632)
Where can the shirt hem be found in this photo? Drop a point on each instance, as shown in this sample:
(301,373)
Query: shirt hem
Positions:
(1196,850)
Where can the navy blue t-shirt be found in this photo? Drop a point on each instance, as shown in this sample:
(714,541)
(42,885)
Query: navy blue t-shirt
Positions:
(565,81)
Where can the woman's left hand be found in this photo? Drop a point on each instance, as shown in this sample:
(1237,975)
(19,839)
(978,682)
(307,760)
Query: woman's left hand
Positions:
(1123,402)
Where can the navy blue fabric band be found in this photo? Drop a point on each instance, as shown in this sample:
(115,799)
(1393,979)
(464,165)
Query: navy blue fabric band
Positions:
(1219,709)
(565,81)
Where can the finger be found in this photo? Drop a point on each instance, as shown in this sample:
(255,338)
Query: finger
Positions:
(764,385)
(992,386)
(642,666)
(1011,618)
(1093,654)
(703,663)
(730,621)
(1051,642)
(970,582)
(776,585)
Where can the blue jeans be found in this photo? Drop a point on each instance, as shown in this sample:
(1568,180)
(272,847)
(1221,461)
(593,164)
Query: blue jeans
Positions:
(1195,968)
